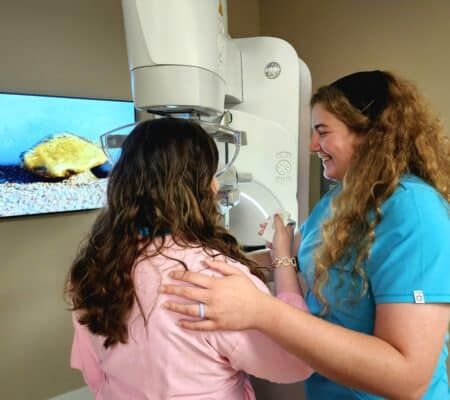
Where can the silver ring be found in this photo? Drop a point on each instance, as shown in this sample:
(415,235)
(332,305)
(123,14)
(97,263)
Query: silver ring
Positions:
(201,310)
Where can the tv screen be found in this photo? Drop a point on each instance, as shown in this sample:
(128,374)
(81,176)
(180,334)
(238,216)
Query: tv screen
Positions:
(51,158)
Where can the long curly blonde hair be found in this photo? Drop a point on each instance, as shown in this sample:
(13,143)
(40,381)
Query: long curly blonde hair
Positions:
(404,138)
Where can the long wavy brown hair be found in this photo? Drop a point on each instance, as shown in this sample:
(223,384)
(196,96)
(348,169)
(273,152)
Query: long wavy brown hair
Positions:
(405,138)
(160,184)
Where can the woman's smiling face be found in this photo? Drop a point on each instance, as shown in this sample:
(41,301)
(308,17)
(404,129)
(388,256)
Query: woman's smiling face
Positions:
(333,142)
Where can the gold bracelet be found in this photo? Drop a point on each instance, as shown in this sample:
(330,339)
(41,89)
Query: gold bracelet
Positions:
(278,262)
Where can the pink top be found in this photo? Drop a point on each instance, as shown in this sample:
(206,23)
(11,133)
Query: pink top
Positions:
(164,361)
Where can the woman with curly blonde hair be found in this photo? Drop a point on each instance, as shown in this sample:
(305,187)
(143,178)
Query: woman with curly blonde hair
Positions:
(374,251)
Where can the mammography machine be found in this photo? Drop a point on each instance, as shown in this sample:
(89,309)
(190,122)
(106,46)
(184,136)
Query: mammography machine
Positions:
(250,94)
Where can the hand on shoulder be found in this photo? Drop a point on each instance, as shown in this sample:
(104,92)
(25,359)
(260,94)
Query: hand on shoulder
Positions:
(232,302)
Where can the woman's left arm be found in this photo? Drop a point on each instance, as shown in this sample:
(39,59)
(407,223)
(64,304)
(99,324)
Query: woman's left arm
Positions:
(286,278)
(284,244)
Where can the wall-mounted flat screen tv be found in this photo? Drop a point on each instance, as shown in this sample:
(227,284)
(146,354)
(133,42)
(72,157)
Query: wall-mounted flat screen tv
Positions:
(51,158)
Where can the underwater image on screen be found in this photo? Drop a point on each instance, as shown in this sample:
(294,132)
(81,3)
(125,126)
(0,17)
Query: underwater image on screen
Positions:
(51,159)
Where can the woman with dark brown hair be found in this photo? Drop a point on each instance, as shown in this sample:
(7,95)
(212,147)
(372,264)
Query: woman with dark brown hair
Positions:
(374,252)
(162,216)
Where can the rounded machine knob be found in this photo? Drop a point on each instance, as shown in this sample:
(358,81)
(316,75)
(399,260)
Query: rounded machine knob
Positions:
(244,177)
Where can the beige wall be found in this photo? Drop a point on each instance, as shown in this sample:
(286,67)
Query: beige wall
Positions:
(244,18)
(63,47)
(60,47)
(35,326)
(77,48)
(335,38)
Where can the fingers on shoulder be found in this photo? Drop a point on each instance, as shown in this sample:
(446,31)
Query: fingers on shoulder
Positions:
(227,267)
(190,310)
(188,292)
(203,325)
(196,278)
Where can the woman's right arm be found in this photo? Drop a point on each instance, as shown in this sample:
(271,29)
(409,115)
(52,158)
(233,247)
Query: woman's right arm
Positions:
(397,362)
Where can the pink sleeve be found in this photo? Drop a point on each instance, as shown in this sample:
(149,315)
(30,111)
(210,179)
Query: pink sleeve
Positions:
(294,299)
(257,354)
(84,358)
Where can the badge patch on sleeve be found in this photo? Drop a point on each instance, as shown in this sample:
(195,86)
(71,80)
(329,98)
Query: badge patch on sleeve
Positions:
(419,297)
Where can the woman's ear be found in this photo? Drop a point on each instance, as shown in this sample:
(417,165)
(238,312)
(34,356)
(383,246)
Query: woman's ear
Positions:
(215,185)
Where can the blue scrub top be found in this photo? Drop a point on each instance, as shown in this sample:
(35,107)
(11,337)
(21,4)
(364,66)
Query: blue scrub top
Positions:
(409,262)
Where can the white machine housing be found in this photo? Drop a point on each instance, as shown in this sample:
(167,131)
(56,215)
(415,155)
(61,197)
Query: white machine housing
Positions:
(182,61)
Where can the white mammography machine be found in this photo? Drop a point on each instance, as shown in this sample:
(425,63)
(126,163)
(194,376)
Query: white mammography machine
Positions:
(251,94)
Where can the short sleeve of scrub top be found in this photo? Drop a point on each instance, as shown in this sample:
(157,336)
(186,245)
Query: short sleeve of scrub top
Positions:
(409,261)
